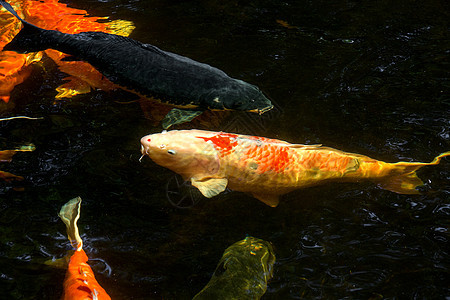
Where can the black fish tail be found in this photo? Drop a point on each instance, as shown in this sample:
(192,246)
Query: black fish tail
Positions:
(30,39)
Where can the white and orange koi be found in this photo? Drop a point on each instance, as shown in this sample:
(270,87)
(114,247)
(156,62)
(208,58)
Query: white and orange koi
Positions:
(268,168)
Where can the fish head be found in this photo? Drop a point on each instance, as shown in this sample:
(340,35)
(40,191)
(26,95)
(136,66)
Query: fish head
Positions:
(182,151)
(240,95)
(253,260)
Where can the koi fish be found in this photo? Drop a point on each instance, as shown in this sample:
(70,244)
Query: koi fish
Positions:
(147,70)
(268,168)
(80,282)
(242,272)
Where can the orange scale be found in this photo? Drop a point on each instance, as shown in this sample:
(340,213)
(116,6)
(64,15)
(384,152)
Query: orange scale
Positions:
(255,157)
(276,156)
(246,154)
(260,159)
(256,149)
(262,169)
(328,165)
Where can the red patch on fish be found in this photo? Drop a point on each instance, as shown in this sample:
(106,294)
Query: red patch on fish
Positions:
(223,142)
(268,154)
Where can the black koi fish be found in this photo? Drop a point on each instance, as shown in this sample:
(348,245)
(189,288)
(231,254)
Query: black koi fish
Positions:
(147,70)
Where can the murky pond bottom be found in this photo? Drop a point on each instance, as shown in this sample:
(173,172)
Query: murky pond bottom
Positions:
(364,78)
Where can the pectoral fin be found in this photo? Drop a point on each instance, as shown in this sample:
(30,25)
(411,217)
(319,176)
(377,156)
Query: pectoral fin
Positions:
(178,116)
(60,263)
(210,187)
(269,199)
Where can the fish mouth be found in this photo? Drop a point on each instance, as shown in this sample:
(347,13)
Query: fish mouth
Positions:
(262,110)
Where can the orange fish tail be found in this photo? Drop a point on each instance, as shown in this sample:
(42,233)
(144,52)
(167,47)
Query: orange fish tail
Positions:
(403,178)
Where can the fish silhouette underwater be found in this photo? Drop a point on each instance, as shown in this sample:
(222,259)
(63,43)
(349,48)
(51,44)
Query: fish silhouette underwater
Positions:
(191,87)
(242,272)
(268,168)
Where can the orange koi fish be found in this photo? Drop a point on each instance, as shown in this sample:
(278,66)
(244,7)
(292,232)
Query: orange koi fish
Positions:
(268,168)
(80,282)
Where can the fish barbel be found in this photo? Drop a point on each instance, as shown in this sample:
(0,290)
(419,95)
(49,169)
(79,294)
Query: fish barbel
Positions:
(268,168)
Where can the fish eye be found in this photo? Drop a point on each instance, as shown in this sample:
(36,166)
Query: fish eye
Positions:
(171,152)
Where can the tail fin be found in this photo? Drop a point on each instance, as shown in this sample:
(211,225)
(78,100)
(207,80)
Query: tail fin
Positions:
(404,179)
(30,39)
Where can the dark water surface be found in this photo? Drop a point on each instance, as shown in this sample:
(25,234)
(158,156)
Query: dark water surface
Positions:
(370,77)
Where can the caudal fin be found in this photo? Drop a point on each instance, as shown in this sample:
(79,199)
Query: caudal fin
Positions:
(404,179)
(30,39)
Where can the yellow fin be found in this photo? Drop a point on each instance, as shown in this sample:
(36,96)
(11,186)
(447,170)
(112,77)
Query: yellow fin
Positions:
(269,199)
(404,179)
(69,214)
(60,263)
(402,184)
(210,187)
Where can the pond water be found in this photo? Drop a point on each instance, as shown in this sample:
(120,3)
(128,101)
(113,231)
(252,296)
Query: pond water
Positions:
(369,77)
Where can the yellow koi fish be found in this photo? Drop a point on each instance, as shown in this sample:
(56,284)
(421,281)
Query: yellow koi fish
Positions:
(268,168)
(242,272)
